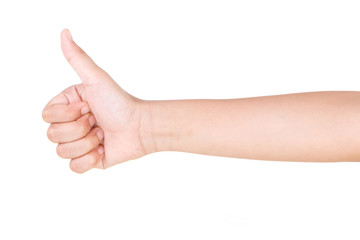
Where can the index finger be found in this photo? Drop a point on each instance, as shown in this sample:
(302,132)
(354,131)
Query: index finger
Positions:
(60,112)
(66,106)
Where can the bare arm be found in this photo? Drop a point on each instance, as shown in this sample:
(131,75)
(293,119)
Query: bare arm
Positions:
(311,126)
(97,124)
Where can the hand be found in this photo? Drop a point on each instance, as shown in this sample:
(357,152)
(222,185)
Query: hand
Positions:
(96,124)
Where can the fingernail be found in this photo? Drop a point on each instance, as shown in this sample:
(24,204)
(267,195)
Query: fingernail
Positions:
(91,120)
(100,134)
(85,109)
(100,150)
(69,35)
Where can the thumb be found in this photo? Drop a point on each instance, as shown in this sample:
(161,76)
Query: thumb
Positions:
(83,65)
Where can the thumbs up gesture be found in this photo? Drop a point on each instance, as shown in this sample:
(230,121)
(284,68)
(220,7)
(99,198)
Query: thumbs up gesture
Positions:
(96,124)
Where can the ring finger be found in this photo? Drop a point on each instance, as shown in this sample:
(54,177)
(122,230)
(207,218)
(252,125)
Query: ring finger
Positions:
(82,146)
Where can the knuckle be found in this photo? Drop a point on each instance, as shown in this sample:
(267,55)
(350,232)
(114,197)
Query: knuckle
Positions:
(84,126)
(71,59)
(77,166)
(61,151)
(92,141)
(45,115)
(81,130)
(71,112)
(88,143)
(74,58)
(51,133)
(73,115)
(74,166)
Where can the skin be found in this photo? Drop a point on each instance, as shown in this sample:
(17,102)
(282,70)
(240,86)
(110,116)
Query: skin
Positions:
(97,124)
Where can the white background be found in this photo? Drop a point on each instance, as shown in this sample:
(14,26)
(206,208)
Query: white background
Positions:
(174,50)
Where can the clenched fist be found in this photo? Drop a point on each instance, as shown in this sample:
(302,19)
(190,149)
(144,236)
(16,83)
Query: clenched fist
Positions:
(96,123)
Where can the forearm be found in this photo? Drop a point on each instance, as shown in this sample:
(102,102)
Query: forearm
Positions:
(313,126)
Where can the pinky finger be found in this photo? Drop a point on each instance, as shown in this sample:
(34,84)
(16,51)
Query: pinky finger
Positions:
(92,159)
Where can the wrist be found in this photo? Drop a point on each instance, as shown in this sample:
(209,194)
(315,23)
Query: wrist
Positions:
(156,127)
